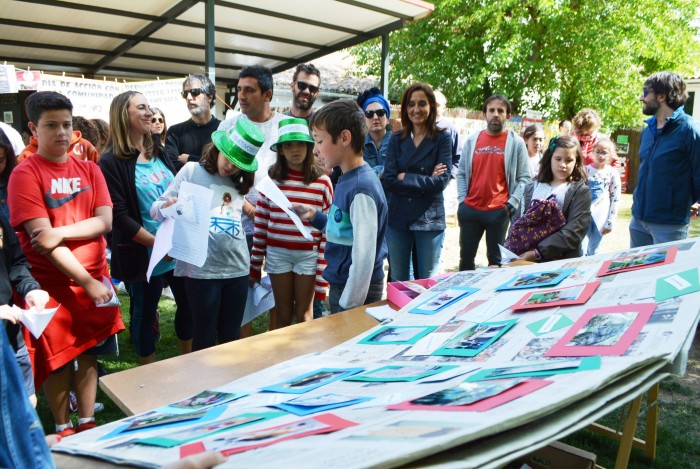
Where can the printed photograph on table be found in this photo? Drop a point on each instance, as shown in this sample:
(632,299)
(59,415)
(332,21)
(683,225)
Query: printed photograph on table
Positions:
(206,399)
(565,296)
(536,280)
(394,373)
(442,300)
(637,261)
(475,339)
(388,335)
(483,396)
(156,419)
(245,441)
(314,404)
(607,331)
(197,432)
(313,380)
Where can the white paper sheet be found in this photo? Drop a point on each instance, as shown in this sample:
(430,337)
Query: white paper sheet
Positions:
(163,244)
(507,255)
(383,314)
(36,322)
(272,192)
(115,298)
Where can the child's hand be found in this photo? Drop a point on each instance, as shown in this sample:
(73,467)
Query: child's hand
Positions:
(45,239)
(9,313)
(439,170)
(528,256)
(203,460)
(694,209)
(169,202)
(305,212)
(97,291)
(605,231)
(38,299)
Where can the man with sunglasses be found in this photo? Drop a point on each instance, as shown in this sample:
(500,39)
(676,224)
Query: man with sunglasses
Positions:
(668,182)
(185,140)
(305,88)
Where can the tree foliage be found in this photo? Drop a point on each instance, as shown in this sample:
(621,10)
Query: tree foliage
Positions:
(554,56)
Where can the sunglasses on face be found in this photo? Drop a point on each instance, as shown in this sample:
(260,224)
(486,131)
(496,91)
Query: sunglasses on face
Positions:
(303,85)
(378,112)
(194,92)
(157,119)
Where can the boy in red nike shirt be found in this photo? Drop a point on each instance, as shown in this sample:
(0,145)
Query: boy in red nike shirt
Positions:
(61,208)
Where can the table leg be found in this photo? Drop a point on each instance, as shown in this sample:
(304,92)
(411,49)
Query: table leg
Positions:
(627,440)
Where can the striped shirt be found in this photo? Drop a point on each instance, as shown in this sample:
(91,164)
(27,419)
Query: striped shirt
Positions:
(273,227)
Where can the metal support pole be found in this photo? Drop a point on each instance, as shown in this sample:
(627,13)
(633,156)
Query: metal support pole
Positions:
(385,65)
(209,57)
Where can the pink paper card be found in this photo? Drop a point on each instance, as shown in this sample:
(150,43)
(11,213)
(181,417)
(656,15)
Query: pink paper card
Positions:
(565,296)
(605,331)
(642,260)
(522,389)
(238,442)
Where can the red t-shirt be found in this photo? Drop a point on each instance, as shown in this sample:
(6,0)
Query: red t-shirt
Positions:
(65,193)
(488,188)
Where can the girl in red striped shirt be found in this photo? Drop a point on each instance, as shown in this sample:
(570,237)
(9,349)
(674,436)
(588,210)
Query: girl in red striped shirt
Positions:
(293,263)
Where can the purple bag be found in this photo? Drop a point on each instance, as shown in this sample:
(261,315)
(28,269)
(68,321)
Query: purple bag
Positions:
(541,219)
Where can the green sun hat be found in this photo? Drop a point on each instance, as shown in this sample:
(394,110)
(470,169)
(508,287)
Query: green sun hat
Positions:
(240,144)
(293,130)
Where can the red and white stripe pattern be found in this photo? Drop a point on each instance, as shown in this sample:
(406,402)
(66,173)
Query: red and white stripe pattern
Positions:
(273,227)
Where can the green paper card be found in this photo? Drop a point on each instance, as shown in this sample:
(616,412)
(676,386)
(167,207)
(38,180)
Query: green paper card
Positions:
(678,284)
(398,373)
(547,325)
(390,335)
(530,370)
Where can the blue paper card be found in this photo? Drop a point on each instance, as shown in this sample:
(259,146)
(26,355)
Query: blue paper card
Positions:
(547,278)
(310,381)
(312,405)
(443,299)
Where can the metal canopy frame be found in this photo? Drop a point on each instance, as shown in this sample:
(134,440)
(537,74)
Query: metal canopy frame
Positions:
(184,32)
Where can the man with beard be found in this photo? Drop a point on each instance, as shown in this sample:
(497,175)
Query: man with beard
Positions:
(185,140)
(305,87)
(668,183)
(492,174)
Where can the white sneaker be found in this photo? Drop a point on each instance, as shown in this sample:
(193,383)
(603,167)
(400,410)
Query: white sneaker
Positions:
(121,288)
(168,293)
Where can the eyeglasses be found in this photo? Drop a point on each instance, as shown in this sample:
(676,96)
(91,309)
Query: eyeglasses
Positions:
(378,112)
(157,119)
(646,91)
(194,92)
(303,85)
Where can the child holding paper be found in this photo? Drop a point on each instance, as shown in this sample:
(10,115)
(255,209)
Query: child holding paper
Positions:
(357,220)
(61,210)
(294,263)
(604,181)
(137,172)
(14,274)
(217,290)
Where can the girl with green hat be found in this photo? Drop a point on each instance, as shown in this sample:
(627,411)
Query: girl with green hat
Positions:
(217,290)
(293,263)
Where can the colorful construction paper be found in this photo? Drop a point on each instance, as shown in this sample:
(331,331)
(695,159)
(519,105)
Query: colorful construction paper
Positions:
(678,284)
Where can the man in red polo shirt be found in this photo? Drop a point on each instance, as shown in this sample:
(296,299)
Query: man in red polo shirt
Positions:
(492,174)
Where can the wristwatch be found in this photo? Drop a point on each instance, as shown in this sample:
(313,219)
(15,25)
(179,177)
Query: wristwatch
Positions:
(538,256)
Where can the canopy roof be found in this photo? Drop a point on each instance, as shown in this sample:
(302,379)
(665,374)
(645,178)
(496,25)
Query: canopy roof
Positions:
(166,38)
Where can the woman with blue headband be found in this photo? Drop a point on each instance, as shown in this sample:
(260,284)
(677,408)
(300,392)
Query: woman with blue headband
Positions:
(377,114)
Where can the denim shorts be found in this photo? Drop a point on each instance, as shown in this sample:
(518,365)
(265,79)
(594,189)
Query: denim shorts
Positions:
(282,261)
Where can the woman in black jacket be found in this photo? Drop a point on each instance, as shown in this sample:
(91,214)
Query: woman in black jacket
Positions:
(416,172)
(137,172)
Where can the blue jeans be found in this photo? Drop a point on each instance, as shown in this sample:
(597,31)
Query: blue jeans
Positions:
(428,250)
(644,233)
(217,307)
(591,242)
(22,442)
(374,294)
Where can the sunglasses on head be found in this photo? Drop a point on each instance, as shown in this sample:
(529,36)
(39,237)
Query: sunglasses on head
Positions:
(378,112)
(303,85)
(194,92)
(157,119)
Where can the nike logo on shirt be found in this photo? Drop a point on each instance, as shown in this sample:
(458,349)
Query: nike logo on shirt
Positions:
(56,203)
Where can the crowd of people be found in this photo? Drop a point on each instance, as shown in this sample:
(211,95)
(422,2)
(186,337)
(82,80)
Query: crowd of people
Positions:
(366,195)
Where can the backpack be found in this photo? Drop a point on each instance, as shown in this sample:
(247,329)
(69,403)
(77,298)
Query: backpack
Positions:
(542,218)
